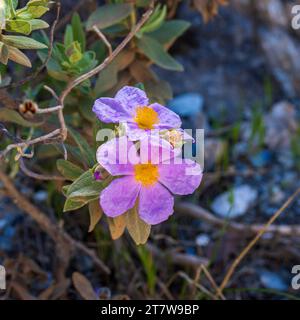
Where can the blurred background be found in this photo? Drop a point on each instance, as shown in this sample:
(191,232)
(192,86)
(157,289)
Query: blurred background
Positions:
(241,83)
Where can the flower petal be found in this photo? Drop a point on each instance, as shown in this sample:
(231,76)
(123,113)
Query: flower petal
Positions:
(155,150)
(167,118)
(155,204)
(131,97)
(181,178)
(118,156)
(119,196)
(110,110)
(133,132)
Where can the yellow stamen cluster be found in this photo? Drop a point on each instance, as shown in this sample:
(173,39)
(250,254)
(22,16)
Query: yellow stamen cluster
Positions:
(147,174)
(146,117)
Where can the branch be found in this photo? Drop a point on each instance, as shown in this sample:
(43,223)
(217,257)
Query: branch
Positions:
(62,132)
(104,64)
(63,240)
(42,139)
(52,92)
(200,213)
(251,244)
(104,39)
(8,134)
(38,176)
(182,259)
(49,110)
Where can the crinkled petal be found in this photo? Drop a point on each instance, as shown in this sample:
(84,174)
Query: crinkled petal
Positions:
(118,156)
(110,110)
(181,178)
(133,131)
(119,196)
(131,98)
(155,204)
(155,149)
(167,118)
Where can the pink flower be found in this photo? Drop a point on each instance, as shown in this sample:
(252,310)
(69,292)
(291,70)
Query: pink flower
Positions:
(131,105)
(150,178)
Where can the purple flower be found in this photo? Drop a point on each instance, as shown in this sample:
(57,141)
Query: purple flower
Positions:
(149,177)
(131,106)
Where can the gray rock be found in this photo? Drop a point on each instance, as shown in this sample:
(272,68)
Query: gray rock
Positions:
(282,53)
(187,105)
(277,195)
(272,280)
(272,12)
(280,125)
(243,197)
(202,240)
(40,196)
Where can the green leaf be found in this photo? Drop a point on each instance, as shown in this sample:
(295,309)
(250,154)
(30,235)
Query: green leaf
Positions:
(159,90)
(96,213)
(108,15)
(34,9)
(87,152)
(10,115)
(107,79)
(10,8)
(18,56)
(154,23)
(78,32)
(76,203)
(22,42)
(20,26)
(37,24)
(3,53)
(85,186)
(68,169)
(142,3)
(85,109)
(68,37)
(2,15)
(137,228)
(156,52)
(73,52)
(170,31)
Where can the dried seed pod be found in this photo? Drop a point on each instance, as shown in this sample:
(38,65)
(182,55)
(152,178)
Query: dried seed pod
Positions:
(28,108)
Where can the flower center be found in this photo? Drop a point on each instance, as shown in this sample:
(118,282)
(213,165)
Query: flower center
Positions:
(146,174)
(175,138)
(146,117)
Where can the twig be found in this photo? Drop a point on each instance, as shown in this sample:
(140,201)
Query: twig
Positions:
(104,39)
(38,176)
(200,213)
(264,229)
(8,134)
(104,64)
(182,259)
(62,240)
(42,139)
(192,282)
(211,280)
(62,132)
(43,65)
(52,92)
(68,16)
(48,110)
